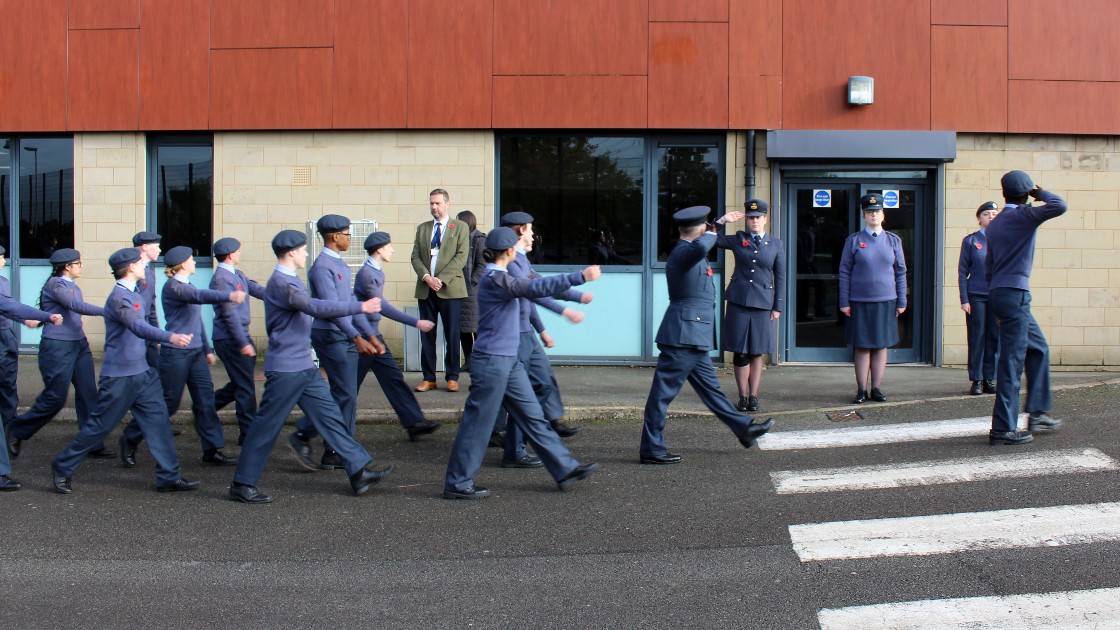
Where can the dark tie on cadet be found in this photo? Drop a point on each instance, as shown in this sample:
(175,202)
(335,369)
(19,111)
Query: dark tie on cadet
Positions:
(757,240)
(436,236)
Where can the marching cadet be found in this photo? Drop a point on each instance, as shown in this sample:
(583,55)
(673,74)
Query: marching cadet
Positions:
(189,365)
(148,245)
(980,321)
(10,310)
(498,378)
(370,283)
(232,342)
(685,339)
(127,383)
(337,341)
(291,378)
(64,355)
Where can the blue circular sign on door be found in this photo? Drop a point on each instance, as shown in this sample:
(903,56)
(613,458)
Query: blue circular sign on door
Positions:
(890,198)
(822,198)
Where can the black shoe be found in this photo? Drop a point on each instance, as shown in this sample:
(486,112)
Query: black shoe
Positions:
(497,440)
(752,403)
(667,458)
(364,479)
(302,451)
(744,402)
(989,387)
(1041,421)
(877,395)
(976,389)
(247,494)
(13,443)
(755,431)
(216,457)
(861,397)
(179,485)
(1009,437)
(61,484)
(7,484)
(176,432)
(330,461)
(525,461)
(474,492)
(583,471)
(563,430)
(102,453)
(421,428)
(128,452)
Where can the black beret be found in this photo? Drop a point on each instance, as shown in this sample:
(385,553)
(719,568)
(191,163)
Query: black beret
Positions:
(123,258)
(516,218)
(65,256)
(226,246)
(177,255)
(376,241)
(330,223)
(501,238)
(689,217)
(143,238)
(871,202)
(1016,183)
(987,205)
(287,240)
(757,208)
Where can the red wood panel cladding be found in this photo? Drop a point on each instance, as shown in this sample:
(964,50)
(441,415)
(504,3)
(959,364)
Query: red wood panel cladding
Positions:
(755,103)
(33,65)
(273,88)
(970,12)
(569,36)
(371,63)
(271,23)
(104,92)
(688,75)
(1064,41)
(105,13)
(570,102)
(1076,107)
(690,11)
(755,46)
(450,69)
(969,78)
(826,42)
(174,64)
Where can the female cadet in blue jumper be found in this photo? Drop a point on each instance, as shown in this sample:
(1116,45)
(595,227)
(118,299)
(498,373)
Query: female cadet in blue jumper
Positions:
(147,243)
(64,355)
(189,365)
(10,310)
(127,383)
(369,283)
(872,296)
(980,321)
(291,377)
(498,378)
(754,299)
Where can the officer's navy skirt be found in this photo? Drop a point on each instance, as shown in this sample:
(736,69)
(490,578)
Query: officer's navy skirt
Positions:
(872,325)
(747,330)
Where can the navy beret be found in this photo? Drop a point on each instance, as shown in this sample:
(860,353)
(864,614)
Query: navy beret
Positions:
(143,238)
(692,216)
(2,250)
(376,241)
(871,202)
(1016,183)
(226,246)
(64,256)
(123,258)
(177,255)
(987,205)
(757,208)
(501,238)
(330,223)
(516,218)
(287,240)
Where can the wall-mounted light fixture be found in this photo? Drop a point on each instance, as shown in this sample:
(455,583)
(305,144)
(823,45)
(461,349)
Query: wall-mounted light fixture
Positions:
(861,90)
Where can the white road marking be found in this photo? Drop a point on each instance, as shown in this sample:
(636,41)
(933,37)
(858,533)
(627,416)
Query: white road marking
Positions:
(881,434)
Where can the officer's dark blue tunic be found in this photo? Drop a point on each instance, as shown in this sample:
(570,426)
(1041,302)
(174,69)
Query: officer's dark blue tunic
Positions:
(11,310)
(980,322)
(756,289)
(231,334)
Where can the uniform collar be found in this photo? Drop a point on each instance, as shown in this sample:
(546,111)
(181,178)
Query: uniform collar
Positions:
(333,254)
(182,277)
(493,267)
(67,279)
(228,267)
(873,233)
(287,272)
(131,286)
(984,231)
(372,262)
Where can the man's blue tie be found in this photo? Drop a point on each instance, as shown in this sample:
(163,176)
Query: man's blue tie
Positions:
(436,236)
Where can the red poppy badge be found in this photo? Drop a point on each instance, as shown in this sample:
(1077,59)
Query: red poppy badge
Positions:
(136,306)
(709,271)
(239,287)
(979,246)
(862,244)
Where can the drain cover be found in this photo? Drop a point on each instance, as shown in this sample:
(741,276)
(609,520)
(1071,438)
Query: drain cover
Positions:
(843,416)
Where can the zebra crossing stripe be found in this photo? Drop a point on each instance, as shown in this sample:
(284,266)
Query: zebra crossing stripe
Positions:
(881,434)
(1067,610)
(927,473)
(949,533)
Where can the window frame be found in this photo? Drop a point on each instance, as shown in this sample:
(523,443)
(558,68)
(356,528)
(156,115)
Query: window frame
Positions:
(154,142)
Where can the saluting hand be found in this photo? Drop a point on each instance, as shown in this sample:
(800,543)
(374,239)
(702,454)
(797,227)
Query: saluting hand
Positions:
(592,273)
(731,217)
(181,340)
(237,297)
(371,306)
(425,325)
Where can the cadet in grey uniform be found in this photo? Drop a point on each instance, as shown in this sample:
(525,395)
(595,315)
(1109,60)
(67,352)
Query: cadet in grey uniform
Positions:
(980,321)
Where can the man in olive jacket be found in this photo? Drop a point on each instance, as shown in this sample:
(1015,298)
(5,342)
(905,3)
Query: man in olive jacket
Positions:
(438,254)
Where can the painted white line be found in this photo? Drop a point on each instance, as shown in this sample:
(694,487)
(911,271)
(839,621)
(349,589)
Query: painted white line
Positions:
(949,533)
(1097,609)
(881,434)
(928,473)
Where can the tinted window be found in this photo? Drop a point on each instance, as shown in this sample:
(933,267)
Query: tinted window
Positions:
(46,195)
(183,192)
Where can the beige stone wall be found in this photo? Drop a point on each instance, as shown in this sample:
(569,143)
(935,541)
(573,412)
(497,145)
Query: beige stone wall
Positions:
(1075,284)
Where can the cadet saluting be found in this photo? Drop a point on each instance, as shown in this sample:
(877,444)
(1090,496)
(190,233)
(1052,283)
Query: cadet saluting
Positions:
(980,321)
